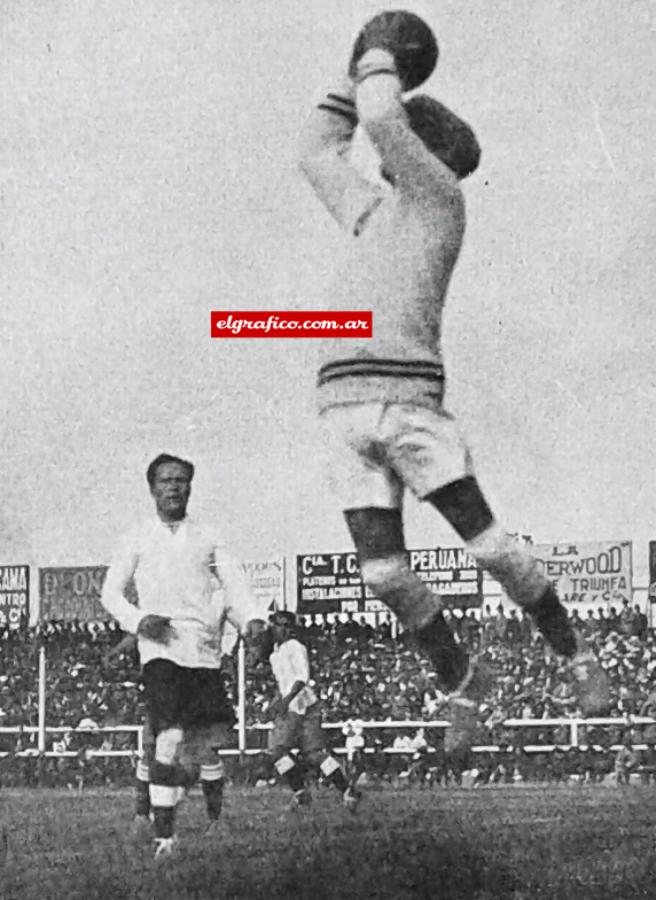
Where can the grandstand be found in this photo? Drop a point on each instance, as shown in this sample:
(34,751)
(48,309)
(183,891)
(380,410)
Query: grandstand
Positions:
(91,705)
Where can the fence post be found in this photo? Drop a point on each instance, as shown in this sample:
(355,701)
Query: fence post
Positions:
(574,732)
(241,699)
(41,739)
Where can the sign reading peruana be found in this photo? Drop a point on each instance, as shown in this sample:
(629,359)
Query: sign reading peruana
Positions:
(332,583)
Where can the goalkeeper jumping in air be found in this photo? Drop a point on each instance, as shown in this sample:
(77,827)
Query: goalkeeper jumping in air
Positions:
(381,400)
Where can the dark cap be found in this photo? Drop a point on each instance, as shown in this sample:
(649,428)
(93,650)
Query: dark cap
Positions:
(283,617)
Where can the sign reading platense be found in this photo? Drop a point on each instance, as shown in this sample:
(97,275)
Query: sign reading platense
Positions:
(331,582)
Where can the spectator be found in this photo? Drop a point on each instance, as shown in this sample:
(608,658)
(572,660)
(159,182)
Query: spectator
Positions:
(471,629)
(640,624)
(576,620)
(590,625)
(626,618)
(513,628)
(366,632)
(500,624)
(384,628)
(626,761)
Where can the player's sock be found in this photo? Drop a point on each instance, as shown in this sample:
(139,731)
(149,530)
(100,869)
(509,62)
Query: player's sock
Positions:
(290,772)
(334,774)
(463,505)
(379,540)
(163,798)
(212,781)
(143,790)
(377,533)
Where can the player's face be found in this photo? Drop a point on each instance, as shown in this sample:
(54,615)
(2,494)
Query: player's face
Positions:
(171,489)
(280,633)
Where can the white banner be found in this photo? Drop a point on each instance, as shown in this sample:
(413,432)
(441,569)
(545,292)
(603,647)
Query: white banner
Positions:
(267,578)
(591,572)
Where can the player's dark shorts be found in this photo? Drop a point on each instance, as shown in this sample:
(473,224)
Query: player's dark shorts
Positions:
(178,697)
(292,731)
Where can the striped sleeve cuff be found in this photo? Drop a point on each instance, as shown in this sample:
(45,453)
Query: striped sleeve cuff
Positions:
(340,106)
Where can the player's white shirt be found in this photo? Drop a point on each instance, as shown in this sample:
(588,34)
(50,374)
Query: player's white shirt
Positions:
(289,664)
(187,575)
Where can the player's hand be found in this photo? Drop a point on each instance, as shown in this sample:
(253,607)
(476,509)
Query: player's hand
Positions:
(213,639)
(157,629)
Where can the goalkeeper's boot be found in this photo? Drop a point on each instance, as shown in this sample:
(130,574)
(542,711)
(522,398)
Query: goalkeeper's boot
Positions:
(591,681)
(300,798)
(350,798)
(463,705)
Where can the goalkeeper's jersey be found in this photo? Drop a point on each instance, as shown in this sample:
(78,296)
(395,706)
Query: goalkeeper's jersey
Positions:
(397,252)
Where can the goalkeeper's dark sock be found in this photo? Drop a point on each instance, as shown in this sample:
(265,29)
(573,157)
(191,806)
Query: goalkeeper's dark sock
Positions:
(291,772)
(212,781)
(142,790)
(163,798)
(333,773)
(448,658)
(550,617)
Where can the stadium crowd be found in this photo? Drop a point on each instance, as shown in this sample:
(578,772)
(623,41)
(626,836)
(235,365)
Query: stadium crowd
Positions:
(361,671)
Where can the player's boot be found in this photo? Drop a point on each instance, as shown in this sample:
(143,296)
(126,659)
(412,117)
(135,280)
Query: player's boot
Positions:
(463,705)
(350,798)
(592,688)
(166,848)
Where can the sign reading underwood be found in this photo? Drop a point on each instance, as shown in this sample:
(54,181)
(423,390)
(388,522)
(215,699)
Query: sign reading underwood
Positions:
(331,582)
(14,596)
(591,572)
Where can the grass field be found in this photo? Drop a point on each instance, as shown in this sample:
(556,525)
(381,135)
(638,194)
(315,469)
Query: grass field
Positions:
(520,843)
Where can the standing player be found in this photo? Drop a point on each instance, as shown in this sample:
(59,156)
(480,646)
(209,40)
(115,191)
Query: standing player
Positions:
(297,716)
(188,587)
(187,770)
(381,400)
